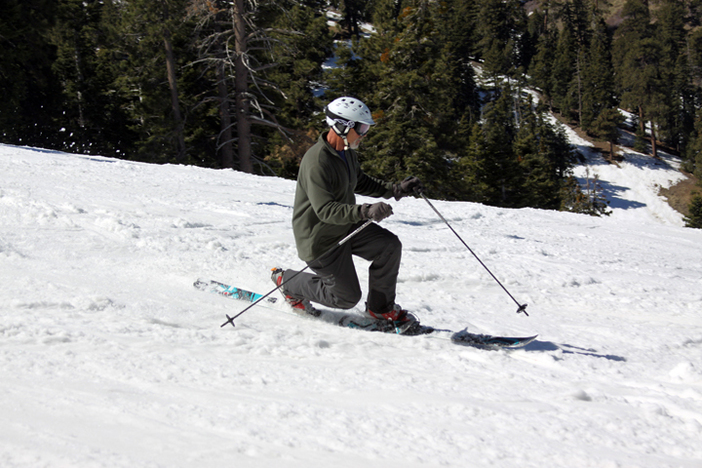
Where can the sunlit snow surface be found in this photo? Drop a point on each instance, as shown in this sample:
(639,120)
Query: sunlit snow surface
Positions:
(110,358)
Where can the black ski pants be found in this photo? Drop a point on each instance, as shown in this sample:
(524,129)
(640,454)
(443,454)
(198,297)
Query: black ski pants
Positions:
(335,282)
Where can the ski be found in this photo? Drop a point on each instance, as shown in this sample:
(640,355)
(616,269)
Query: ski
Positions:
(359,322)
(229,291)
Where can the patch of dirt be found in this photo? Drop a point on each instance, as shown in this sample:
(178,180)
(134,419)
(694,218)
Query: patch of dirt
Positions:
(680,195)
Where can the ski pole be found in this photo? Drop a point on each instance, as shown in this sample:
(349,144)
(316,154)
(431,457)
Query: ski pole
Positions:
(338,244)
(522,307)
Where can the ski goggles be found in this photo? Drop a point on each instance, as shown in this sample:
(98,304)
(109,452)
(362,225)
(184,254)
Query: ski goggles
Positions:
(361,128)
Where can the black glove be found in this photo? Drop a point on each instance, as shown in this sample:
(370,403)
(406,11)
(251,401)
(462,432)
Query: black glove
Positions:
(407,187)
(377,211)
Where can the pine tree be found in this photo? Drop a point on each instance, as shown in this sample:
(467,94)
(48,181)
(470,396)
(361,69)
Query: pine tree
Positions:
(299,57)
(677,117)
(591,200)
(31,96)
(694,218)
(598,93)
(458,28)
(693,148)
(93,117)
(542,65)
(299,71)
(472,169)
(637,58)
(562,73)
(499,162)
(693,151)
(501,25)
(353,13)
(606,127)
(545,158)
(151,46)
(409,79)
(538,184)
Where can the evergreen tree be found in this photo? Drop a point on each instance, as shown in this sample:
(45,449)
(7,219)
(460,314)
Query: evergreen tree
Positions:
(498,161)
(637,58)
(677,117)
(93,119)
(141,79)
(411,87)
(562,72)
(606,127)
(591,201)
(299,71)
(457,30)
(598,93)
(515,163)
(545,158)
(542,66)
(693,151)
(501,26)
(694,219)
(353,13)
(538,180)
(472,168)
(31,105)
(576,15)
(152,48)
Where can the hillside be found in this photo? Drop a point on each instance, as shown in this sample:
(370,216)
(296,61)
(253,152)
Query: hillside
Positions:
(110,358)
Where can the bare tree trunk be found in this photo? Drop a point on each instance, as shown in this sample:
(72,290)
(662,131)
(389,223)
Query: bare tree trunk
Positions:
(654,148)
(642,122)
(225,135)
(580,93)
(546,11)
(241,77)
(80,79)
(229,49)
(173,85)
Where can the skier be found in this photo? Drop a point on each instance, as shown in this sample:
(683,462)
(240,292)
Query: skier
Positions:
(325,211)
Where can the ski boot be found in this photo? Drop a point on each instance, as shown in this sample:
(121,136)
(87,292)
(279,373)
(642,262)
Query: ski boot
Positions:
(301,306)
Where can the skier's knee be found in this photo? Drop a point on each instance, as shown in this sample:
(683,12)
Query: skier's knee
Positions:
(348,299)
(395,244)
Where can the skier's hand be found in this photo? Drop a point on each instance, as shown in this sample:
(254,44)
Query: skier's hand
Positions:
(407,187)
(377,211)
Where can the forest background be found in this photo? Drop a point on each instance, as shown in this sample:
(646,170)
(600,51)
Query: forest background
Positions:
(242,84)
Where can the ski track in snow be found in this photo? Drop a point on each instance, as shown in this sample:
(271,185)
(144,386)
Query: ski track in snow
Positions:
(110,358)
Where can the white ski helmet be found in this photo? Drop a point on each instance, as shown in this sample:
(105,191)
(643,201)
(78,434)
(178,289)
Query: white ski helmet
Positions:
(345,113)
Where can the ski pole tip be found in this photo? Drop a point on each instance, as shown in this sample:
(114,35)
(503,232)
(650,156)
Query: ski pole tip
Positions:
(522,309)
(229,320)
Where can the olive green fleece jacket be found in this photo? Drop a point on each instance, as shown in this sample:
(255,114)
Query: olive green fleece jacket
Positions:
(325,205)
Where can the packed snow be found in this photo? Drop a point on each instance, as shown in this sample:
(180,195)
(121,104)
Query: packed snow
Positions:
(110,358)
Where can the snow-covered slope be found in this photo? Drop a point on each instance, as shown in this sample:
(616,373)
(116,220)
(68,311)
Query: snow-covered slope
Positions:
(110,358)
(631,185)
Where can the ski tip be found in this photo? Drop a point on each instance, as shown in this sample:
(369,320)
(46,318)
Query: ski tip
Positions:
(492,342)
(521,342)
